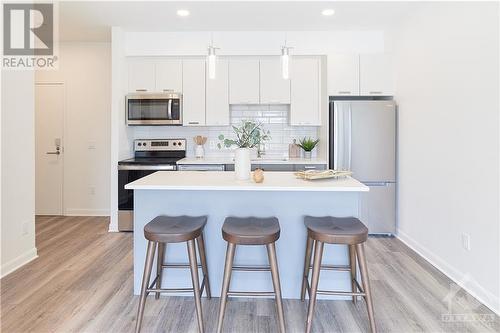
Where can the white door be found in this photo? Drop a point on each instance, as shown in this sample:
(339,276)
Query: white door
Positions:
(218,95)
(244,81)
(273,88)
(305,92)
(193,92)
(343,74)
(49,152)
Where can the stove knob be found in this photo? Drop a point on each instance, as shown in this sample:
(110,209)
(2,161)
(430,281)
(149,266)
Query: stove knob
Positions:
(175,143)
(180,143)
(139,144)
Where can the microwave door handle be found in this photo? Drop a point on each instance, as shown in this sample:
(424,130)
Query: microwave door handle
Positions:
(169,109)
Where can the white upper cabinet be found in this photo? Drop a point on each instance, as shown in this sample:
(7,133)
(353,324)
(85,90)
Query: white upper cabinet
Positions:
(193,92)
(305,108)
(376,75)
(343,74)
(169,75)
(217,108)
(244,81)
(273,88)
(141,75)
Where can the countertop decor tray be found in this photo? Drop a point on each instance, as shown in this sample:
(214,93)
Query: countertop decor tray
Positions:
(322,174)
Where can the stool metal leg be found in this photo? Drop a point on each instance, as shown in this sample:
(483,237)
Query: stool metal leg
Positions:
(307,263)
(228,267)
(204,266)
(352,263)
(148,265)
(273,262)
(366,284)
(193,263)
(318,253)
(159,269)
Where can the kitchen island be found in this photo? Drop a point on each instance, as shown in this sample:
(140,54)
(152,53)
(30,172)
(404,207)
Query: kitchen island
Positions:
(218,195)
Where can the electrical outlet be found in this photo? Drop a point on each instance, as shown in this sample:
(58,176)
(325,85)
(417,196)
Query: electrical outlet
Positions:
(466,241)
(92,190)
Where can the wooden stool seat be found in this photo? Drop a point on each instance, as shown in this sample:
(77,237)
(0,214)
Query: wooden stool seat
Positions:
(336,230)
(174,229)
(251,230)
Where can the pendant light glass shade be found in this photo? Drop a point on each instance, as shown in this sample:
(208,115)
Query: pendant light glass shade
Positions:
(212,62)
(285,62)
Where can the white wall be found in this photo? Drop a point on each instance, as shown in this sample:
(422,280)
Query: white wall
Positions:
(85,70)
(448,94)
(18,171)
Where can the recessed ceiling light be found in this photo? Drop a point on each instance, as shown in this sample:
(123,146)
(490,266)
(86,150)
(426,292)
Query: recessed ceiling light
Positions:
(328,12)
(183,12)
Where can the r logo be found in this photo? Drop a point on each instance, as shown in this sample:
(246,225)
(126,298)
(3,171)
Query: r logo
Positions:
(28,29)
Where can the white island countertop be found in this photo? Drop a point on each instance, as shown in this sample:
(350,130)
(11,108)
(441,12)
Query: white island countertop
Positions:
(225,181)
(263,160)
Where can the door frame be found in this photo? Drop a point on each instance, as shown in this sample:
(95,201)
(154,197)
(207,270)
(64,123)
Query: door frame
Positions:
(63,85)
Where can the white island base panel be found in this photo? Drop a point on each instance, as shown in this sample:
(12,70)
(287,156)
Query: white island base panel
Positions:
(289,206)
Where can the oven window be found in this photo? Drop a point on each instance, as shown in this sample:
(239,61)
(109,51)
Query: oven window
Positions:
(147,109)
(126,197)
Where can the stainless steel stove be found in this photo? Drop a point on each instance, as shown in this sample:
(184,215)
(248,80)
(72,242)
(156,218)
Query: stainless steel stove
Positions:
(149,156)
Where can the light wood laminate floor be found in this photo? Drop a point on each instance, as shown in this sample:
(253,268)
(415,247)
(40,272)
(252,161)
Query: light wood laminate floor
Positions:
(82,282)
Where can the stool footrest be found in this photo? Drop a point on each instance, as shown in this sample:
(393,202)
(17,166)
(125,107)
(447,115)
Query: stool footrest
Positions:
(251,293)
(340,293)
(169,290)
(252,268)
(345,268)
(177,266)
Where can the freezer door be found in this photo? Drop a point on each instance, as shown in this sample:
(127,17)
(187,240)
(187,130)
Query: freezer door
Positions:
(373,140)
(378,208)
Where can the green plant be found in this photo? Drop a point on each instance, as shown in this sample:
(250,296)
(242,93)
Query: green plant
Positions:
(308,144)
(248,135)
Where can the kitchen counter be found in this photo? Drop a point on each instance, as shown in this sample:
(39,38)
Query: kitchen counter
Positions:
(218,195)
(264,160)
(225,181)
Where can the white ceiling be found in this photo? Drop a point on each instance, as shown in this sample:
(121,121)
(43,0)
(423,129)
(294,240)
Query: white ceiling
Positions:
(91,20)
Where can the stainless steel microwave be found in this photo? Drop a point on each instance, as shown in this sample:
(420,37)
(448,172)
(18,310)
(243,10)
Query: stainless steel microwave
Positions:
(154,108)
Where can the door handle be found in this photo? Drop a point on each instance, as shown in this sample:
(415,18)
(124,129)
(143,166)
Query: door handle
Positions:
(54,152)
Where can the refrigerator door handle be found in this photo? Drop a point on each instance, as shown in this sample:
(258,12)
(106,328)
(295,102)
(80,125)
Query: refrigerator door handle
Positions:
(349,136)
(335,136)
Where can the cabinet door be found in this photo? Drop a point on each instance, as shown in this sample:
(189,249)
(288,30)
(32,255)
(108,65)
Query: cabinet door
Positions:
(305,92)
(169,75)
(218,95)
(343,75)
(244,81)
(193,92)
(376,75)
(273,88)
(141,75)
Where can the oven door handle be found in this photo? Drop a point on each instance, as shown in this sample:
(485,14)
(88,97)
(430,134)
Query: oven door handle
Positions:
(169,109)
(148,167)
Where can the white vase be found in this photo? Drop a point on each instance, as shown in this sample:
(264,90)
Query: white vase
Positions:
(242,163)
(307,155)
(199,151)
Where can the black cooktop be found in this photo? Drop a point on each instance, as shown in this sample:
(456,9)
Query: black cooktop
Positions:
(149,161)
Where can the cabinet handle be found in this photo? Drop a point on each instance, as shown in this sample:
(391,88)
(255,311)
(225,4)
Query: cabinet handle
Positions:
(141,89)
(193,122)
(375,92)
(169,90)
(344,92)
(309,167)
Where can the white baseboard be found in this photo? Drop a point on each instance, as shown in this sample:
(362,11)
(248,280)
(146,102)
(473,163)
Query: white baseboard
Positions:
(472,287)
(17,262)
(86,212)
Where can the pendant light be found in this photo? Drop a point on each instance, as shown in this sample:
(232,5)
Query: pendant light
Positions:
(285,61)
(212,60)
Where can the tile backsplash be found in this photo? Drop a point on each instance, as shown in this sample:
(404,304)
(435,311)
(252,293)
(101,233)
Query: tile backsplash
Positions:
(274,118)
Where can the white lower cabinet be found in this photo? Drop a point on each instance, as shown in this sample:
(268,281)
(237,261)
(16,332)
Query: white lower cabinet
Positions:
(305,106)
(217,99)
(193,92)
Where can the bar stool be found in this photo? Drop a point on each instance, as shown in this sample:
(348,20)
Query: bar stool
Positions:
(334,230)
(251,231)
(174,229)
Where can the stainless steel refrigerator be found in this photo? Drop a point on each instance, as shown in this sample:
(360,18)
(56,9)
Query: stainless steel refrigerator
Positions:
(363,140)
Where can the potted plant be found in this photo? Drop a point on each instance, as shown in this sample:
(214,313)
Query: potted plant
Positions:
(248,135)
(308,145)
